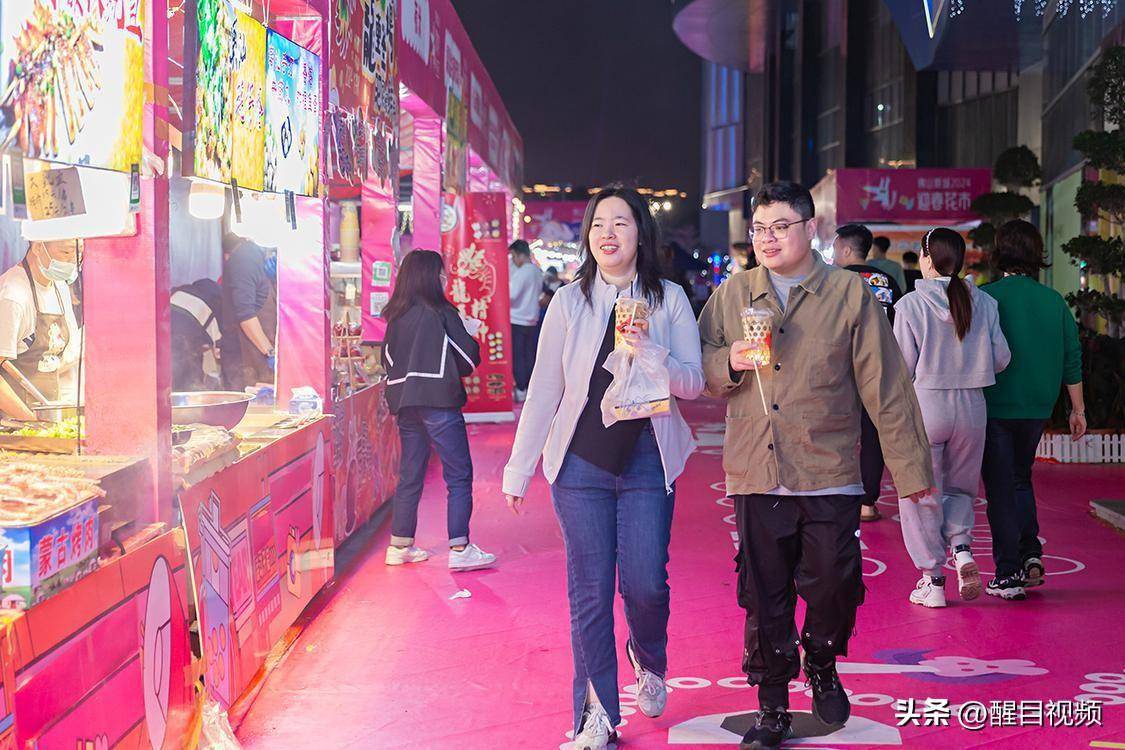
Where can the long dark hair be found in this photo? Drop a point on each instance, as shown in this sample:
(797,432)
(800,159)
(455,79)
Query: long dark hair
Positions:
(1019,249)
(648,245)
(946,249)
(418,282)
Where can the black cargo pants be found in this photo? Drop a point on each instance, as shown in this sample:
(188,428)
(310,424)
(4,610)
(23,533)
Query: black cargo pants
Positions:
(789,546)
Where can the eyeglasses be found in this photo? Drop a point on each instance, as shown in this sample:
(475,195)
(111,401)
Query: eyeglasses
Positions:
(777,231)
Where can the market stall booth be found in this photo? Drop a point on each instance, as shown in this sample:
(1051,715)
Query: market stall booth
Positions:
(93,606)
(177,474)
(900,204)
(363,156)
(460,176)
(252,474)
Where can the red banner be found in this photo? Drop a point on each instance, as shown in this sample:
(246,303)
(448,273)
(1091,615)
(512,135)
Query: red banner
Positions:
(475,246)
(911,196)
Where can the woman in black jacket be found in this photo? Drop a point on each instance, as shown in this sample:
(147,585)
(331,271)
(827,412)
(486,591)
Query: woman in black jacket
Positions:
(426,352)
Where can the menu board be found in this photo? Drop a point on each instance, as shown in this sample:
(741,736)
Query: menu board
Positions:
(248,120)
(72,81)
(292,117)
(230,80)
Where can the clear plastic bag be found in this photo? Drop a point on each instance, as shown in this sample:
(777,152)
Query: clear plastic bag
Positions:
(216,732)
(640,387)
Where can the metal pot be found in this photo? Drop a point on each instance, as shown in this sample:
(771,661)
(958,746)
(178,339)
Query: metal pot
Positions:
(216,408)
(55,412)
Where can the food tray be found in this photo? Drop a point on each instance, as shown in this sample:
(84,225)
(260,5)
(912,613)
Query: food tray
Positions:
(26,444)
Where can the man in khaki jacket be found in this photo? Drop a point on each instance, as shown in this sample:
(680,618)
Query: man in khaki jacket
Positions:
(791,450)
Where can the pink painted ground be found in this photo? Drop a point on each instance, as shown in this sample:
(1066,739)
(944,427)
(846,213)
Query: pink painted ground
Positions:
(393,662)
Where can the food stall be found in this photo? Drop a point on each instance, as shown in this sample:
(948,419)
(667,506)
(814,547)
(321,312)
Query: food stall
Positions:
(362,190)
(178,504)
(253,474)
(460,179)
(93,606)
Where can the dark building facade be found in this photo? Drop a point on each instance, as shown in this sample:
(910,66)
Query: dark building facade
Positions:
(829,84)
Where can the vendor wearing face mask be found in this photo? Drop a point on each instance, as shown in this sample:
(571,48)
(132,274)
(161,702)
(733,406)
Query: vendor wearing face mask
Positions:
(38,331)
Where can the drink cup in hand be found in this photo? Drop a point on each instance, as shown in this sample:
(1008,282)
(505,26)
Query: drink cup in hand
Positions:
(629,312)
(757,332)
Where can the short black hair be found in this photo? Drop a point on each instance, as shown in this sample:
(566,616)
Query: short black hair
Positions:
(520,247)
(791,193)
(858,238)
(1019,249)
(910,257)
(883,243)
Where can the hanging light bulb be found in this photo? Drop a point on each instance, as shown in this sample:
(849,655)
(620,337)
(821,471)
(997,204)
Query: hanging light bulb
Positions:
(206,200)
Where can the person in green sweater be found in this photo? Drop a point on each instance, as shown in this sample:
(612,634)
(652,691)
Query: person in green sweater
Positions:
(1043,336)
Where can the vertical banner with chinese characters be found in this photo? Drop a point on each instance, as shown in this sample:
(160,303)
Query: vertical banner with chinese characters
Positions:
(475,246)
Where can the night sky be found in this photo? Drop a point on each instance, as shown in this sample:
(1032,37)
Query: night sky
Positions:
(601,90)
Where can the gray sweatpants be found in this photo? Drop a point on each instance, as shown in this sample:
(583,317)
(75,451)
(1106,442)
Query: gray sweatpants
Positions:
(955,423)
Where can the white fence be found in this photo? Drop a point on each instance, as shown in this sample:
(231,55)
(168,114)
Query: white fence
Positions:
(1091,449)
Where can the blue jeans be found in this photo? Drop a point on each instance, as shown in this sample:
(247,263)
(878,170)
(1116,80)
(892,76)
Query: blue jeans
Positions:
(615,527)
(418,427)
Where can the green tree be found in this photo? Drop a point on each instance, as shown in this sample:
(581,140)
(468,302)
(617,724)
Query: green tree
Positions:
(1101,254)
(1016,168)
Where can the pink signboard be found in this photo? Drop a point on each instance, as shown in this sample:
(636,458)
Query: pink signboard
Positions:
(554,221)
(910,196)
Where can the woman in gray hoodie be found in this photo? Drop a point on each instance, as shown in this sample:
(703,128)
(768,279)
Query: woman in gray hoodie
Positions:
(950,337)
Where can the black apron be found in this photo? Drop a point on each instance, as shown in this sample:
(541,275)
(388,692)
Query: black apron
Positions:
(42,361)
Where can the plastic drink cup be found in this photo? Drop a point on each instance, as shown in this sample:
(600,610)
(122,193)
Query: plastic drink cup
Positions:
(757,327)
(629,311)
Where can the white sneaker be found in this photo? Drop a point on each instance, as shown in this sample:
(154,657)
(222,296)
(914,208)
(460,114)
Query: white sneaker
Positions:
(519,396)
(928,592)
(968,575)
(403,555)
(470,558)
(1033,573)
(596,732)
(652,693)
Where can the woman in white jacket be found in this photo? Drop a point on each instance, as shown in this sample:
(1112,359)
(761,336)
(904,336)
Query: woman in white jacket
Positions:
(950,336)
(612,488)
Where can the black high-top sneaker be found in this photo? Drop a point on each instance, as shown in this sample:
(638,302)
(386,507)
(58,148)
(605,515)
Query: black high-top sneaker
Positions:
(830,703)
(773,727)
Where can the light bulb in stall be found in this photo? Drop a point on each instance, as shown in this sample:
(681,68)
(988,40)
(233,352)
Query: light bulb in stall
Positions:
(263,220)
(206,200)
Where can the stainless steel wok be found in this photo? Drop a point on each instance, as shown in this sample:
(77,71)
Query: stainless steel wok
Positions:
(217,408)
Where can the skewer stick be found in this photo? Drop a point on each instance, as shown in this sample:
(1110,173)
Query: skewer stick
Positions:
(761,393)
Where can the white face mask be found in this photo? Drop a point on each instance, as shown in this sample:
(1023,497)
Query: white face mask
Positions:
(60,270)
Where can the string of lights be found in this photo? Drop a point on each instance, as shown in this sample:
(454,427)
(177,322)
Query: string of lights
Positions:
(1062,7)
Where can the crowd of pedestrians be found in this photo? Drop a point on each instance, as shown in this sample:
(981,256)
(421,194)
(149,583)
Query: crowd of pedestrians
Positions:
(864,366)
